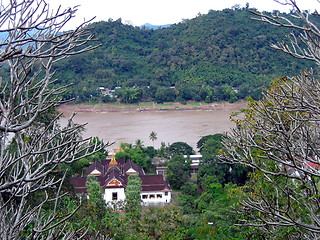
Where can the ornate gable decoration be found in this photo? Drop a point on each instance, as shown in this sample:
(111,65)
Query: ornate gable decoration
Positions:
(114,183)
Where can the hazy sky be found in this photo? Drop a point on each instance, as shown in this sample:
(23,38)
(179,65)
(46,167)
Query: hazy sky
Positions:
(160,12)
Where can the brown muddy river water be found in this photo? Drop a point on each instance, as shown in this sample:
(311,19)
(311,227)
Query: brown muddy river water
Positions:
(170,126)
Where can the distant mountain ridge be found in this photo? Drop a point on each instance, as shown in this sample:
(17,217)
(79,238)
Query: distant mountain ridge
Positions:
(222,55)
(151,26)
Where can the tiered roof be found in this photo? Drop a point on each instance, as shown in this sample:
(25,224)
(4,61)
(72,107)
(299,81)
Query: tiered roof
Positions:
(112,173)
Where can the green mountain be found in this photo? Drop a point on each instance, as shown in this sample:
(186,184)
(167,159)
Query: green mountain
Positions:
(222,55)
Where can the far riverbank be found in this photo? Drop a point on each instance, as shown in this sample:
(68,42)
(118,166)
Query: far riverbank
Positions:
(152,107)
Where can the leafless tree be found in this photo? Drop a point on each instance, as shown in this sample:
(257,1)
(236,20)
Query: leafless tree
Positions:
(31,150)
(304,40)
(279,137)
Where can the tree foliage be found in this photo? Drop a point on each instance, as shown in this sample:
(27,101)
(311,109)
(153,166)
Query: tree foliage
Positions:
(96,204)
(222,55)
(138,154)
(212,208)
(180,148)
(133,199)
(211,166)
(178,171)
(216,137)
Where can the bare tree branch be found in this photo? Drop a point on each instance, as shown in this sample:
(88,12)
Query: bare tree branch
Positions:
(279,137)
(304,41)
(31,151)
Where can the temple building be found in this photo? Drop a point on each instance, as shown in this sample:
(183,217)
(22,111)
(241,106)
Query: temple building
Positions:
(113,174)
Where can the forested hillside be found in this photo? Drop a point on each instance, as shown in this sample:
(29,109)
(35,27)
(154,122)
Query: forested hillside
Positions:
(222,55)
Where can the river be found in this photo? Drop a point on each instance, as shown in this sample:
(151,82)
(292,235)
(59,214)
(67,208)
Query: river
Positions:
(170,126)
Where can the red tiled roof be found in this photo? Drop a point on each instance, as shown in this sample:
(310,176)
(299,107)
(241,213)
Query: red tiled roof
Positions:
(78,181)
(152,188)
(95,165)
(149,182)
(134,166)
(152,179)
(153,183)
(313,165)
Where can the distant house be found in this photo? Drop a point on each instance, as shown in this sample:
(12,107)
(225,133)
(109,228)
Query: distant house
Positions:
(113,175)
(107,92)
(195,162)
(161,170)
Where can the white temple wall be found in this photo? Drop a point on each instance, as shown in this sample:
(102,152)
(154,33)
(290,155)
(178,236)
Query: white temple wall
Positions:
(114,194)
(118,195)
(155,197)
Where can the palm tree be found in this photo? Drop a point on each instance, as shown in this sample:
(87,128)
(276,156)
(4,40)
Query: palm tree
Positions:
(124,145)
(153,137)
(139,144)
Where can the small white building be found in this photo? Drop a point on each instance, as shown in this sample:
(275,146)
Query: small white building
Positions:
(195,162)
(113,176)
(154,190)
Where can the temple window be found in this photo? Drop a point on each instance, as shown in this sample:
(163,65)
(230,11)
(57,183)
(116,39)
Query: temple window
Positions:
(114,196)
(159,195)
(144,196)
(151,196)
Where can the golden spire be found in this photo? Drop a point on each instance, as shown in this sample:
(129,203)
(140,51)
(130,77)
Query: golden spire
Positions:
(113,162)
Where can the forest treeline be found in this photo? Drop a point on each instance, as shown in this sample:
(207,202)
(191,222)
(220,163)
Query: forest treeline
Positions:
(222,55)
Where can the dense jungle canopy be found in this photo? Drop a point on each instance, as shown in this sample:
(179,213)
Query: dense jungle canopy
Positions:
(222,55)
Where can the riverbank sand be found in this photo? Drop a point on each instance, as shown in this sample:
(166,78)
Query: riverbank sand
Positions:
(150,106)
